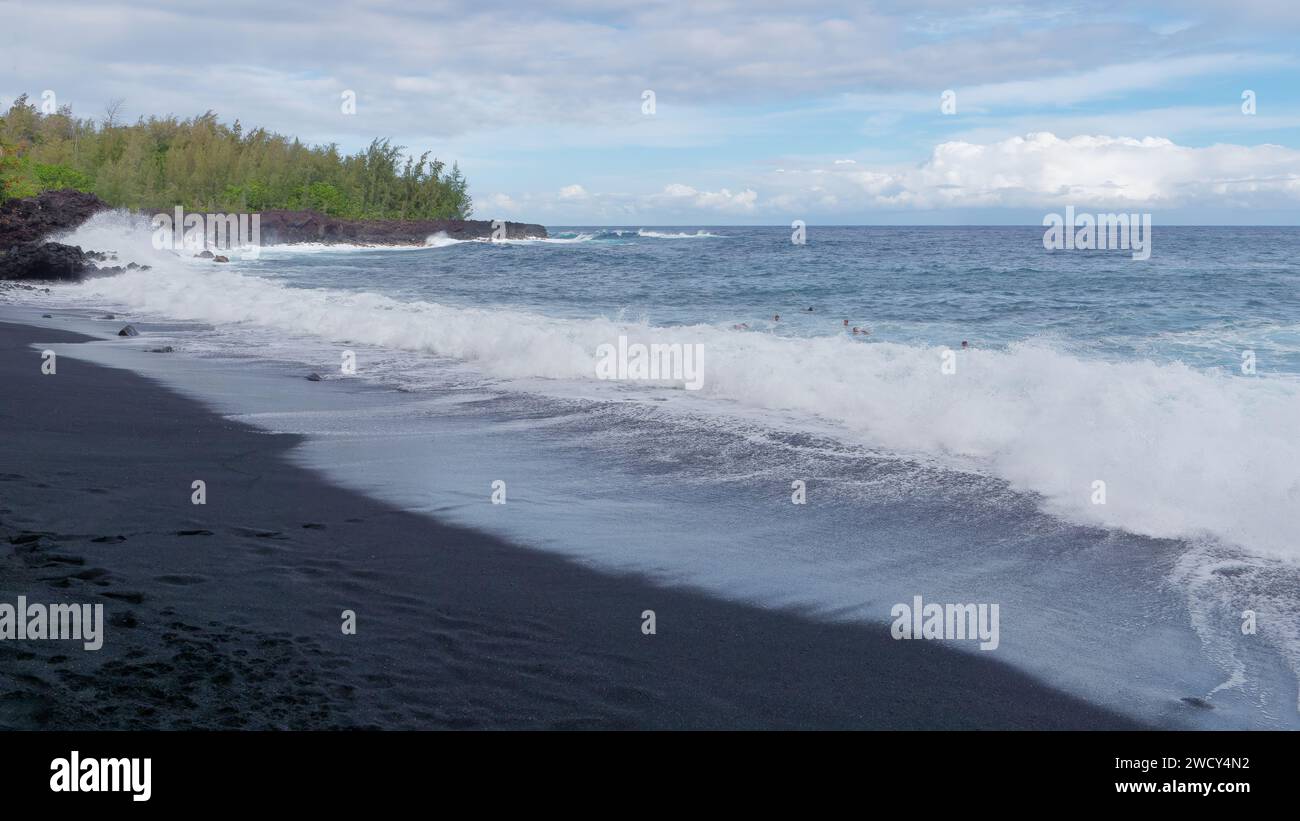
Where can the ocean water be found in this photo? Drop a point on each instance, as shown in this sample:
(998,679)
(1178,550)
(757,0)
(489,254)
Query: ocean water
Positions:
(478,362)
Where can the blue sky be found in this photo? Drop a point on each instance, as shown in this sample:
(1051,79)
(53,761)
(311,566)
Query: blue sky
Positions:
(765,112)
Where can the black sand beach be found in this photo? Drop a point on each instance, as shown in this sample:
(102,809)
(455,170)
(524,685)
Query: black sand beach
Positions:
(227,615)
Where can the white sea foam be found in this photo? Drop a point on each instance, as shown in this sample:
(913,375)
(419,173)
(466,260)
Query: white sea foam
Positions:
(701,234)
(130,236)
(293,248)
(441,240)
(581,237)
(1183,452)
(619,233)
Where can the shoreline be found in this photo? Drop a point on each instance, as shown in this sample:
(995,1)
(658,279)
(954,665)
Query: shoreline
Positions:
(33,220)
(28,254)
(236,625)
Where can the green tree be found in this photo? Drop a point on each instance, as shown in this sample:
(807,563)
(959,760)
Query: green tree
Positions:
(203,164)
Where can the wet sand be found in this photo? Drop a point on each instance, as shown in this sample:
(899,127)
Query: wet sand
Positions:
(227,615)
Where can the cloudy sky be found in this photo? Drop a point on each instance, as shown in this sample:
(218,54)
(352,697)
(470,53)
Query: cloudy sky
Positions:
(764,112)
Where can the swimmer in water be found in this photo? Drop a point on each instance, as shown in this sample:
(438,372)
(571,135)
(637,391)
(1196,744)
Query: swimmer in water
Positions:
(846,323)
(964,345)
(776,317)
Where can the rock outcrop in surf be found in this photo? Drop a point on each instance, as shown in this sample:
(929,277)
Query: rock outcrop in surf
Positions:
(25,222)
(46,260)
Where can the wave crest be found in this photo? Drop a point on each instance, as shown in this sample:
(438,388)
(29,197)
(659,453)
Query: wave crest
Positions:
(1182,452)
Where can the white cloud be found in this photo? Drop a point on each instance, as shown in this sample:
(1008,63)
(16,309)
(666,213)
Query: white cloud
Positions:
(722,200)
(1180,123)
(1041,170)
(455,67)
(1037,171)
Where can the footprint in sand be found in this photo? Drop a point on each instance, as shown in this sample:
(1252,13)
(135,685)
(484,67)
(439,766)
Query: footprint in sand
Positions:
(260,534)
(29,538)
(180,579)
(133,598)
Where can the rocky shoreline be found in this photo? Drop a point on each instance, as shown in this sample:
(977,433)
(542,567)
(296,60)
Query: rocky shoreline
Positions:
(24,225)
(29,220)
(25,254)
(284,227)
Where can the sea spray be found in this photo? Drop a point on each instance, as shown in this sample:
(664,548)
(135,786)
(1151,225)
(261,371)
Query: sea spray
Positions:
(1208,452)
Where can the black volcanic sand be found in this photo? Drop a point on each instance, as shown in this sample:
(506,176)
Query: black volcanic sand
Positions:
(228,615)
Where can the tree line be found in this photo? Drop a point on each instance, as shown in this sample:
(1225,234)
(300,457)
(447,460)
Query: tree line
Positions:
(206,165)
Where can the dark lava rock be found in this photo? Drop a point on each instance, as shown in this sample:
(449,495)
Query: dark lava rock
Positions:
(164,349)
(31,219)
(221,259)
(49,260)
(278,227)
(204,255)
(47,316)
(129,330)
(314,377)
(108,316)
